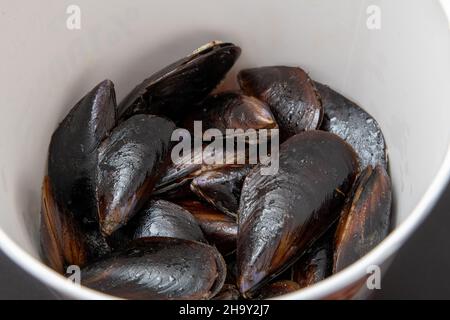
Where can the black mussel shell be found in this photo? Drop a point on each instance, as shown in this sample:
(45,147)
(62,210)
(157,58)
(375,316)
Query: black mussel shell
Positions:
(73,151)
(131,160)
(231,110)
(175,191)
(283,214)
(358,128)
(276,289)
(290,94)
(187,167)
(218,228)
(159,268)
(317,263)
(175,89)
(222,187)
(62,242)
(165,219)
(366,218)
(64,239)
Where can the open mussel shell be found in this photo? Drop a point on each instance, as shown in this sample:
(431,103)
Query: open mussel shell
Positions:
(174,89)
(131,160)
(159,268)
(316,264)
(73,151)
(275,289)
(231,110)
(62,242)
(290,94)
(282,215)
(222,187)
(218,228)
(366,218)
(165,219)
(353,124)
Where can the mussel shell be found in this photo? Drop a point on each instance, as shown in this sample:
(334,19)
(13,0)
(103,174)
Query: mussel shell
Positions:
(228,292)
(159,268)
(218,228)
(175,191)
(365,220)
(165,219)
(317,263)
(64,239)
(282,215)
(174,89)
(131,160)
(73,151)
(275,289)
(191,165)
(353,124)
(290,94)
(222,187)
(61,239)
(231,110)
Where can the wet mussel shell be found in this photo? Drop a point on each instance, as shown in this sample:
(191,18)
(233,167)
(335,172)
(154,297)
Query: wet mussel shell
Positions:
(283,214)
(73,151)
(61,239)
(290,94)
(131,160)
(173,90)
(353,124)
(159,268)
(219,229)
(222,187)
(365,220)
(165,219)
(317,263)
(231,110)
(192,164)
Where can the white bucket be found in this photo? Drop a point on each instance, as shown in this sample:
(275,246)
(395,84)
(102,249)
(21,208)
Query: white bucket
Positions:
(391,57)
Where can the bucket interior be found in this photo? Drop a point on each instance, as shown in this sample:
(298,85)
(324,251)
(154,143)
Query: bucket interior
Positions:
(399,73)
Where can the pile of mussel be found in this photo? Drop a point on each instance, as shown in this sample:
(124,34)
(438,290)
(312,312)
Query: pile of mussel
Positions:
(142,226)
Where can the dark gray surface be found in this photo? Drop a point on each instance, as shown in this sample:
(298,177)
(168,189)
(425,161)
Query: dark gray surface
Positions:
(420,270)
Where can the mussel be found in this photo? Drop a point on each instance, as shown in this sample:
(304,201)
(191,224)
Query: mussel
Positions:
(61,240)
(187,167)
(365,220)
(231,110)
(218,228)
(222,187)
(173,90)
(290,94)
(159,268)
(131,160)
(165,219)
(73,151)
(353,124)
(282,215)
(317,263)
